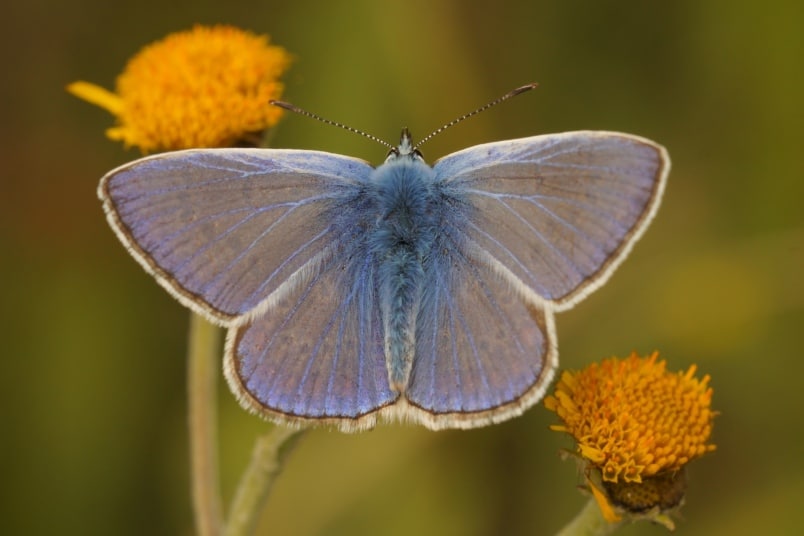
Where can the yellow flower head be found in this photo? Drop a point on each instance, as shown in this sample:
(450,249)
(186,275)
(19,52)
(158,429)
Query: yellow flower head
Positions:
(206,87)
(638,425)
(634,419)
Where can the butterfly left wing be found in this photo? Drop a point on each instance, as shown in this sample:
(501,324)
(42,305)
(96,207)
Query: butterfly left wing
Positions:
(224,229)
(259,240)
(560,212)
(317,354)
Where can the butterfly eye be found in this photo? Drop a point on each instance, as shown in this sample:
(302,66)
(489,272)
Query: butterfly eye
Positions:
(392,154)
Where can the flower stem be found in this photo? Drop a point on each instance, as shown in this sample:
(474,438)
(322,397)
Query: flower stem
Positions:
(267,460)
(202,372)
(589,522)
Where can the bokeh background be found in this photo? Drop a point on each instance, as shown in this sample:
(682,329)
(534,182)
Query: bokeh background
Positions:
(92,388)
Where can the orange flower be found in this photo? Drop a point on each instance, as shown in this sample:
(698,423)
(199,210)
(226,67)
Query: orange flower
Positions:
(636,424)
(207,87)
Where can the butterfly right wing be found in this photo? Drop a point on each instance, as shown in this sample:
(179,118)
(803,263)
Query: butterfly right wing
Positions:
(224,229)
(531,227)
(559,211)
(484,351)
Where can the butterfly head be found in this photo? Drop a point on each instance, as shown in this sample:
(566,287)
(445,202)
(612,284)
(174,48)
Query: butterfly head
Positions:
(404,149)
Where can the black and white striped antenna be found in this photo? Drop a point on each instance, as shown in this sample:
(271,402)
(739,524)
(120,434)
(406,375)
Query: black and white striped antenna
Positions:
(296,109)
(483,108)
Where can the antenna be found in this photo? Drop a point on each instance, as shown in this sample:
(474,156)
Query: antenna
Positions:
(483,108)
(296,109)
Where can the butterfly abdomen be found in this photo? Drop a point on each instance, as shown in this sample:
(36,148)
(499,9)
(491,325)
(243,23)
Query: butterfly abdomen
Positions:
(401,241)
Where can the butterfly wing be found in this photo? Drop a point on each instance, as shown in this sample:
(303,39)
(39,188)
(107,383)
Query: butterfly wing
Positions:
(318,356)
(224,229)
(484,352)
(560,211)
(264,241)
(534,225)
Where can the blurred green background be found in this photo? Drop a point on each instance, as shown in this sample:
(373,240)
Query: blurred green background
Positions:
(92,389)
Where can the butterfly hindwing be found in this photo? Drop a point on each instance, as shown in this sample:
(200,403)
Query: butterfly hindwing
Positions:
(317,353)
(484,351)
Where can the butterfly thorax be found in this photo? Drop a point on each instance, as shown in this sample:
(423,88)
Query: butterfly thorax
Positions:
(406,223)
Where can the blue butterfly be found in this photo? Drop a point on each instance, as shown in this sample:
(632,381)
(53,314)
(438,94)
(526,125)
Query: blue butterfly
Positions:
(405,291)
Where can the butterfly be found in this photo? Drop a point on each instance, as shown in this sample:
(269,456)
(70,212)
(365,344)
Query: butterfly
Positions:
(407,291)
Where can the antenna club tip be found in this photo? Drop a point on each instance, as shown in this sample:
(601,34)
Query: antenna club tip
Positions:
(526,87)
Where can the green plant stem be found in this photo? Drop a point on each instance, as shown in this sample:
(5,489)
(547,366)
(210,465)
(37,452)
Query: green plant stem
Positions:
(202,372)
(267,460)
(589,522)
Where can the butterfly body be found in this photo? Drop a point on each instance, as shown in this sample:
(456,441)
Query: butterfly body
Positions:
(409,207)
(404,291)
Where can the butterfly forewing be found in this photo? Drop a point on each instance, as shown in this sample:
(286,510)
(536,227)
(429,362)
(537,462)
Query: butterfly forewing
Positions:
(559,211)
(223,229)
